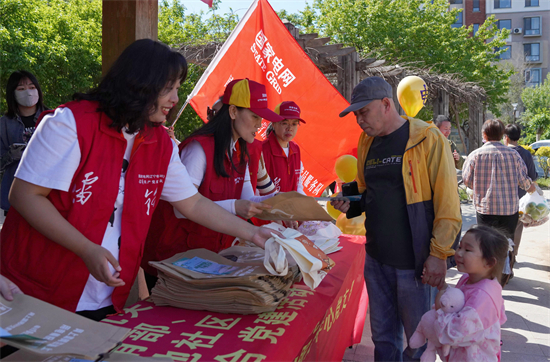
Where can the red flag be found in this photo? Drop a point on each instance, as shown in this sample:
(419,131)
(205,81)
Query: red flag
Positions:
(261,48)
(208,2)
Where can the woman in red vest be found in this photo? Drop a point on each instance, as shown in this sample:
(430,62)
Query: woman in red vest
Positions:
(217,159)
(281,154)
(73,239)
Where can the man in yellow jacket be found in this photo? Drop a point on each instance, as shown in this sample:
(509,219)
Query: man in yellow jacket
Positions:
(408,183)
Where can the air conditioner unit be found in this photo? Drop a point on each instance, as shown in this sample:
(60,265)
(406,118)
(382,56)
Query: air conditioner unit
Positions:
(517,31)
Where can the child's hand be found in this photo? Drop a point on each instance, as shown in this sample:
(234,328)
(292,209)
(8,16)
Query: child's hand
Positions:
(97,260)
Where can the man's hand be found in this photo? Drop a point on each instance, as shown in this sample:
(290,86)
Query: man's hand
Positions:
(97,260)
(8,288)
(456,155)
(340,205)
(247,209)
(434,272)
(532,188)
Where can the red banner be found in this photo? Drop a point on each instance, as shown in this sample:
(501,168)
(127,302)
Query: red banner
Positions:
(307,325)
(261,48)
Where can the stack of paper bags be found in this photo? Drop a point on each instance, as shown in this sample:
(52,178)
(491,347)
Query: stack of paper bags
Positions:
(203,280)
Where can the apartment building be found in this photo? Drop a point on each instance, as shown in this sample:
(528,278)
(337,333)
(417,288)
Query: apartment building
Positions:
(529,24)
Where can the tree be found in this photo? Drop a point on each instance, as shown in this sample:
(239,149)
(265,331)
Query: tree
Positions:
(418,32)
(536,117)
(176,28)
(58,41)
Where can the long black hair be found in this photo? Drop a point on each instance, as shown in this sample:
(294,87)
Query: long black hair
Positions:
(129,91)
(220,128)
(13,82)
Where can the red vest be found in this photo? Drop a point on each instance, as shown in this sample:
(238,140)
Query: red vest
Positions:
(169,235)
(284,171)
(255,152)
(50,272)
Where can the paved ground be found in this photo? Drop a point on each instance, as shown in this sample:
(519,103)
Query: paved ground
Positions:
(526,334)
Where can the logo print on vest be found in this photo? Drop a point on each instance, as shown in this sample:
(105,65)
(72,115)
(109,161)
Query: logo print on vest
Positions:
(150,202)
(84,193)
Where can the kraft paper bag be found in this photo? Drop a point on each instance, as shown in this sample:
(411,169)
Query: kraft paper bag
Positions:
(203,280)
(293,206)
(31,324)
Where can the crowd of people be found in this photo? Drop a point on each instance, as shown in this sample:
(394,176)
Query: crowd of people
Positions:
(68,170)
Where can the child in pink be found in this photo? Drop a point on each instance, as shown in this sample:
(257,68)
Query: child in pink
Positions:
(474,332)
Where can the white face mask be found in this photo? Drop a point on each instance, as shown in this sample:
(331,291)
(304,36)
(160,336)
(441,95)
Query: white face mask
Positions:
(27,97)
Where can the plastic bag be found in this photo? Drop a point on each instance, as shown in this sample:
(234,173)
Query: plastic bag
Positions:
(533,209)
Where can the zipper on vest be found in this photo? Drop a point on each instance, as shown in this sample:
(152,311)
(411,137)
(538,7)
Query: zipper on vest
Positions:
(412,175)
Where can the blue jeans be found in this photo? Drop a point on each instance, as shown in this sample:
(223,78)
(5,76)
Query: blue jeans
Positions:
(397,301)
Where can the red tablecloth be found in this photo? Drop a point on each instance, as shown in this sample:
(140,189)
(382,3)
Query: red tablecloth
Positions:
(307,326)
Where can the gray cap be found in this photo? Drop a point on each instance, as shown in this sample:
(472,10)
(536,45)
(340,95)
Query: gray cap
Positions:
(368,90)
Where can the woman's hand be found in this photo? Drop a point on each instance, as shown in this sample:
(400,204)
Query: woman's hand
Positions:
(247,209)
(97,260)
(291,224)
(262,234)
(8,288)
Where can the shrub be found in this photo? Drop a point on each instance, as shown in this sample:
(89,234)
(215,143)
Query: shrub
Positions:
(543,155)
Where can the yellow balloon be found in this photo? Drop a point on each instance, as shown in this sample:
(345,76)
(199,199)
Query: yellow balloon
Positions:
(346,168)
(412,94)
(355,226)
(331,210)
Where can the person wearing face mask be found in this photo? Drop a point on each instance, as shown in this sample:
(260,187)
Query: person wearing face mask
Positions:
(89,183)
(25,103)
(219,163)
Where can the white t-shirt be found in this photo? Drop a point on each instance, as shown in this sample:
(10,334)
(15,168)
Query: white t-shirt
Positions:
(50,161)
(194,159)
(300,188)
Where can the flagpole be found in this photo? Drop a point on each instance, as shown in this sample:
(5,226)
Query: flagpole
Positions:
(181,111)
(226,45)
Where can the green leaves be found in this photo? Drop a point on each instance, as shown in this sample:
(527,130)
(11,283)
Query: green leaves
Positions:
(536,116)
(416,32)
(58,41)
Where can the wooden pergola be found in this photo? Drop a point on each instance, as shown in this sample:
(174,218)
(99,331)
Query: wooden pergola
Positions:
(344,68)
(125,21)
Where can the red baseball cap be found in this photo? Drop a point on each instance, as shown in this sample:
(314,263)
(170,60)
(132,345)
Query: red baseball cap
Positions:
(252,95)
(289,110)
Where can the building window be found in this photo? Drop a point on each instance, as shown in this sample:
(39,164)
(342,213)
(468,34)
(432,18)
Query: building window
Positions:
(458,21)
(532,77)
(531,26)
(529,3)
(476,6)
(507,54)
(476,28)
(500,4)
(532,52)
(455,2)
(505,24)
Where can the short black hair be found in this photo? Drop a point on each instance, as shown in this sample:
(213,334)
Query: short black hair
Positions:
(129,91)
(13,82)
(440,119)
(513,131)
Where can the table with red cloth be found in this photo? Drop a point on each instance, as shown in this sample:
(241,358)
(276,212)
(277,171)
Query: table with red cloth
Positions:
(307,326)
